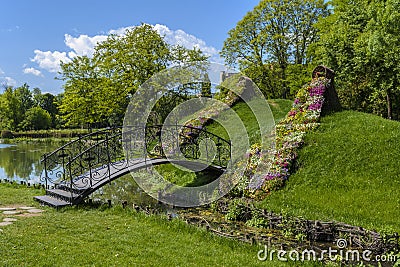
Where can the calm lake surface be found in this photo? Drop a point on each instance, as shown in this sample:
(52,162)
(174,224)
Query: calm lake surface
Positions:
(21,161)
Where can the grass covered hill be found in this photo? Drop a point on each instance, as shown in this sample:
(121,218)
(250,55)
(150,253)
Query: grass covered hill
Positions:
(279,109)
(348,170)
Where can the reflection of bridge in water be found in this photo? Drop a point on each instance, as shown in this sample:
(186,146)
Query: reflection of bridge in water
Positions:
(80,167)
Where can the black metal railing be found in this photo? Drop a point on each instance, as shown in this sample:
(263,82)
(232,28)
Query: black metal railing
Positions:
(83,163)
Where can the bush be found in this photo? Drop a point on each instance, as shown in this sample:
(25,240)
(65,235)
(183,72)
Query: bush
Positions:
(36,118)
(238,211)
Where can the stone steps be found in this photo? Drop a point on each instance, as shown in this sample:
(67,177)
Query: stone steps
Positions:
(52,201)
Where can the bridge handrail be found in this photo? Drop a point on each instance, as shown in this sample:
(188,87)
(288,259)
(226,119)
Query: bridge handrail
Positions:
(78,139)
(194,128)
(91,147)
(75,158)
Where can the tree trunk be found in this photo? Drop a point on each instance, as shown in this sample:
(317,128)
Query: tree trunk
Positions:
(389,104)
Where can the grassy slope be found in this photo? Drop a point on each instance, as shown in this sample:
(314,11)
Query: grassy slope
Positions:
(349,171)
(279,108)
(113,237)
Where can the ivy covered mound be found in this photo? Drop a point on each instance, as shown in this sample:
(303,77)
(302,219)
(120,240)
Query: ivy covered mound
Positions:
(269,168)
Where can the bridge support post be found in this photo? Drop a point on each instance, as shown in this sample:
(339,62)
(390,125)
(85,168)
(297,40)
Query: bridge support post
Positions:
(108,158)
(70,179)
(45,168)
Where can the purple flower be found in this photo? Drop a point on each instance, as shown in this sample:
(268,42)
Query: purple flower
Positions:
(315,106)
(317,91)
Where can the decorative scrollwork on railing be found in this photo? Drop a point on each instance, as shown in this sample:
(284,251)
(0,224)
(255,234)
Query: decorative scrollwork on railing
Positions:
(89,160)
(55,163)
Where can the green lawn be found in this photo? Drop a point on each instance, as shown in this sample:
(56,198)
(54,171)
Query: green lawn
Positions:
(348,171)
(17,194)
(181,177)
(113,237)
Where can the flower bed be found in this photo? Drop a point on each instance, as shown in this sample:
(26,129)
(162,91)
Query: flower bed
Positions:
(302,118)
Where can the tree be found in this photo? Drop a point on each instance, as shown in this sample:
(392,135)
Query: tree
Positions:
(80,102)
(11,109)
(361,42)
(98,89)
(47,102)
(36,118)
(274,35)
(206,86)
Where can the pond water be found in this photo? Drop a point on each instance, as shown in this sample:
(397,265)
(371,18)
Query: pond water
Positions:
(21,161)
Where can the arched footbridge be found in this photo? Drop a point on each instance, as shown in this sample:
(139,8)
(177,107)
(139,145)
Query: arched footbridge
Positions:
(79,168)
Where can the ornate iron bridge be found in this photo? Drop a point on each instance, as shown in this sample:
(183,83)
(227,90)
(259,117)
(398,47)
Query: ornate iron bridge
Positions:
(82,166)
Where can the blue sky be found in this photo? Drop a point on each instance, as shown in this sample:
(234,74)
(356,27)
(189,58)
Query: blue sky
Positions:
(35,35)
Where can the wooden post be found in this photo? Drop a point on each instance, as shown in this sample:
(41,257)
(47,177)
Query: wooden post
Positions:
(331,103)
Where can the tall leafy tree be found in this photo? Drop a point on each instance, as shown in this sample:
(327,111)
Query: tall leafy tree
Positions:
(80,102)
(47,102)
(14,103)
(98,89)
(361,41)
(271,37)
(25,97)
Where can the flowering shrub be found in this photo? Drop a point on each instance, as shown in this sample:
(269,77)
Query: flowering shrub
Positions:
(303,117)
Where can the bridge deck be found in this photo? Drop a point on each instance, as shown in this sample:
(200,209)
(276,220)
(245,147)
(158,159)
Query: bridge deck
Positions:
(94,179)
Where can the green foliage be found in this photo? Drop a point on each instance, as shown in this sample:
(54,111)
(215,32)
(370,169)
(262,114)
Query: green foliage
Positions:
(10,109)
(20,109)
(49,103)
(98,89)
(236,210)
(36,118)
(272,37)
(361,42)
(206,87)
(256,219)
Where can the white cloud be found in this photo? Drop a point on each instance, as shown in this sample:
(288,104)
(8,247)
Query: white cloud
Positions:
(33,71)
(50,61)
(10,81)
(83,45)
(179,37)
(121,31)
(6,80)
